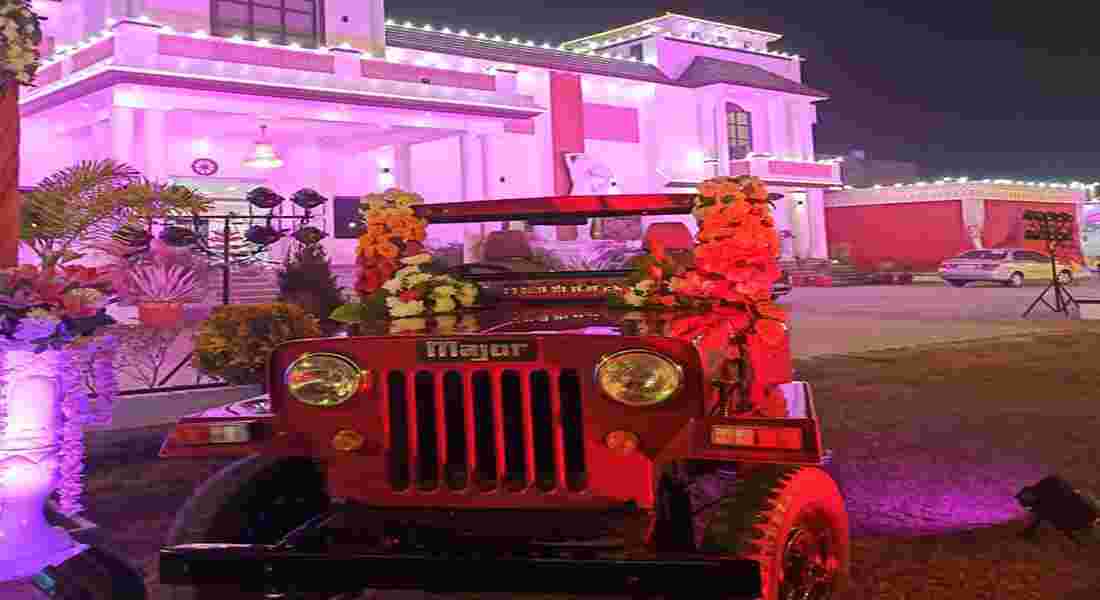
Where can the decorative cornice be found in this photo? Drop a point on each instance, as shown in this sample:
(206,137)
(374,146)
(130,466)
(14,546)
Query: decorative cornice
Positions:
(953,191)
(101,77)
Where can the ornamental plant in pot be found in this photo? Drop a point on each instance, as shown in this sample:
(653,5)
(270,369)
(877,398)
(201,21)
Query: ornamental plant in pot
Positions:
(56,375)
(161,291)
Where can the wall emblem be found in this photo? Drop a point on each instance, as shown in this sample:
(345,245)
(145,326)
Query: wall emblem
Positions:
(589,176)
(204,166)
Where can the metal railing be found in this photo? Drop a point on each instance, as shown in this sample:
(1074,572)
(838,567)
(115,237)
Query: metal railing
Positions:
(225,259)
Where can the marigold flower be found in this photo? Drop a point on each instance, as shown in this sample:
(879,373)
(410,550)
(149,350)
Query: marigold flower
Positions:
(387,250)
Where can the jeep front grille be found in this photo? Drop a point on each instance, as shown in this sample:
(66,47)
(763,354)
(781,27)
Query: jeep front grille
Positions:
(485,430)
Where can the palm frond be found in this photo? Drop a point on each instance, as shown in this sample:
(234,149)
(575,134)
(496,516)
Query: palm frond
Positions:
(90,200)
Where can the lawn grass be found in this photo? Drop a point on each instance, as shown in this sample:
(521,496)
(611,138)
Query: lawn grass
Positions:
(930,444)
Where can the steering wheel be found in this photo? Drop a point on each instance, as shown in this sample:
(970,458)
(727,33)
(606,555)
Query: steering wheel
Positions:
(468,268)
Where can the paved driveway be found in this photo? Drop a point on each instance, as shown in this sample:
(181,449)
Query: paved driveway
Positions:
(852,319)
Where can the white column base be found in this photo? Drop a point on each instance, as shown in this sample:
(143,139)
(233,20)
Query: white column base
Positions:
(30,465)
(28,542)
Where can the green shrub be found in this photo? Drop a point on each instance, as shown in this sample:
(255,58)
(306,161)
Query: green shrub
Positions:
(235,341)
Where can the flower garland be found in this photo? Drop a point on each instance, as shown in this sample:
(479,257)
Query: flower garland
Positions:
(730,284)
(20,35)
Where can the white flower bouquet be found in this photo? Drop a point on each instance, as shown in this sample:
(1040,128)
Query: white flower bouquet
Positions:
(412,293)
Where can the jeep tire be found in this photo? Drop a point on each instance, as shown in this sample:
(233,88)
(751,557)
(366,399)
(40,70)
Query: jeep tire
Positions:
(258,499)
(792,521)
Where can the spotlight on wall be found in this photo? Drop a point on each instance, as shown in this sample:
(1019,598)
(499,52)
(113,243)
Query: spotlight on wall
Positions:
(385,177)
(1056,501)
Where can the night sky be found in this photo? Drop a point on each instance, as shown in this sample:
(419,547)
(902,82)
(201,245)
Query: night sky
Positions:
(964,88)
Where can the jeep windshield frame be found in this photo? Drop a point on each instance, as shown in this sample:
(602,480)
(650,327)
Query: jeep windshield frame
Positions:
(556,210)
(553,211)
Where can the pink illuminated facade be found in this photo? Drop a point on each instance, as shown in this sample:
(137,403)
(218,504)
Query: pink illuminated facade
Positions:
(353,104)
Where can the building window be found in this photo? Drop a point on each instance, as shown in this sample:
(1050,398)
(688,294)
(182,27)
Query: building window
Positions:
(280,21)
(636,52)
(739,131)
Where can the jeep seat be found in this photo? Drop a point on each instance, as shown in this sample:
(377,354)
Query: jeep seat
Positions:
(676,239)
(511,249)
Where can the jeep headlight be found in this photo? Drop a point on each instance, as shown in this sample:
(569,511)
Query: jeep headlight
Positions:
(321,379)
(639,377)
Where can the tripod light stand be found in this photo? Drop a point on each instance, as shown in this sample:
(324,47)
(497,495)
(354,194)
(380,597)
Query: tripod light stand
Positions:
(1054,228)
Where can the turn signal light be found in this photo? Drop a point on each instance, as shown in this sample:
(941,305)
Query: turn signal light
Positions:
(225,432)
(346,440)
(783,438)
(623,442)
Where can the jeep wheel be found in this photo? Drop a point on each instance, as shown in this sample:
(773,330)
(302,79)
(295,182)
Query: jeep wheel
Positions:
(957,283)
(254,500)
(792,521)
(1016,281)
(1065,277)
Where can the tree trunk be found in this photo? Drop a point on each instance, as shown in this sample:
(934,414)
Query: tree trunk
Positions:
(9,175)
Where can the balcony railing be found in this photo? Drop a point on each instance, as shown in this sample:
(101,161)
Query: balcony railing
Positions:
(143,49)
(779,170)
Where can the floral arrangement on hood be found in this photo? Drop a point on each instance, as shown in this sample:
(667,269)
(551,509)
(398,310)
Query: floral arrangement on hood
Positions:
(392,230)
(50,308)
(412,292)
(650,285)
(20,35)
(729,286)
(392,282)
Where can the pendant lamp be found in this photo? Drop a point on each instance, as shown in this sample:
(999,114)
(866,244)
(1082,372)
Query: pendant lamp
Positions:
(264,156)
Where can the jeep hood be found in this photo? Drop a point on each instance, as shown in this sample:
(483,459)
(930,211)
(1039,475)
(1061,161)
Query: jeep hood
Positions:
(595,318)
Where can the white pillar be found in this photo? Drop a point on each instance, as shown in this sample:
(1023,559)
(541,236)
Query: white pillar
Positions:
(815,205)
(101,139)
(155,165)
(709,140)
(472,156)
(402,166)
(782,216)
(543,167)
(779,127)
(472,163)
(122,134)
(649,136)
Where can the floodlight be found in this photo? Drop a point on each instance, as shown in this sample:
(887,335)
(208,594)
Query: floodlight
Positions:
(1055,500)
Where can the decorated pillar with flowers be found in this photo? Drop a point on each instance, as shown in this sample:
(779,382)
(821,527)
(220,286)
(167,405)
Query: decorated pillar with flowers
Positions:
(721,301)
(20,36)
(56,376)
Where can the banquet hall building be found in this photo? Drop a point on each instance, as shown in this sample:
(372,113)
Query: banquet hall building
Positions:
(227,95)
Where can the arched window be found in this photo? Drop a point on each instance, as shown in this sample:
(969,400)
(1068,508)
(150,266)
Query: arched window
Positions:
(739,131)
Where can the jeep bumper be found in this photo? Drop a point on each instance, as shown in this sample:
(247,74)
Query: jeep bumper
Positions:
(254,567)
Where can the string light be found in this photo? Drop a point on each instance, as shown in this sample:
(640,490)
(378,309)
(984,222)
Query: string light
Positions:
(1075,185)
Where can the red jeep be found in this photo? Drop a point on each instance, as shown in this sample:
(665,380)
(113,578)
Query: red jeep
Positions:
(544,442)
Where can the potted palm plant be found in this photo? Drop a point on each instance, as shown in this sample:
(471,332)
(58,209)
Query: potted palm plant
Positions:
(161,291)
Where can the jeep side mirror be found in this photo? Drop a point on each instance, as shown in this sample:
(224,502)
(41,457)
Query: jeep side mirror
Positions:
(800,399)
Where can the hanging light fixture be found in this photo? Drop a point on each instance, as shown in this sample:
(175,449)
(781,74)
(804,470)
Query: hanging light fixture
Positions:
(264,156)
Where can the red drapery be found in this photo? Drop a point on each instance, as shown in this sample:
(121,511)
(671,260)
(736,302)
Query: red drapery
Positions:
(9,175)
(918,234)
(1005,226)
